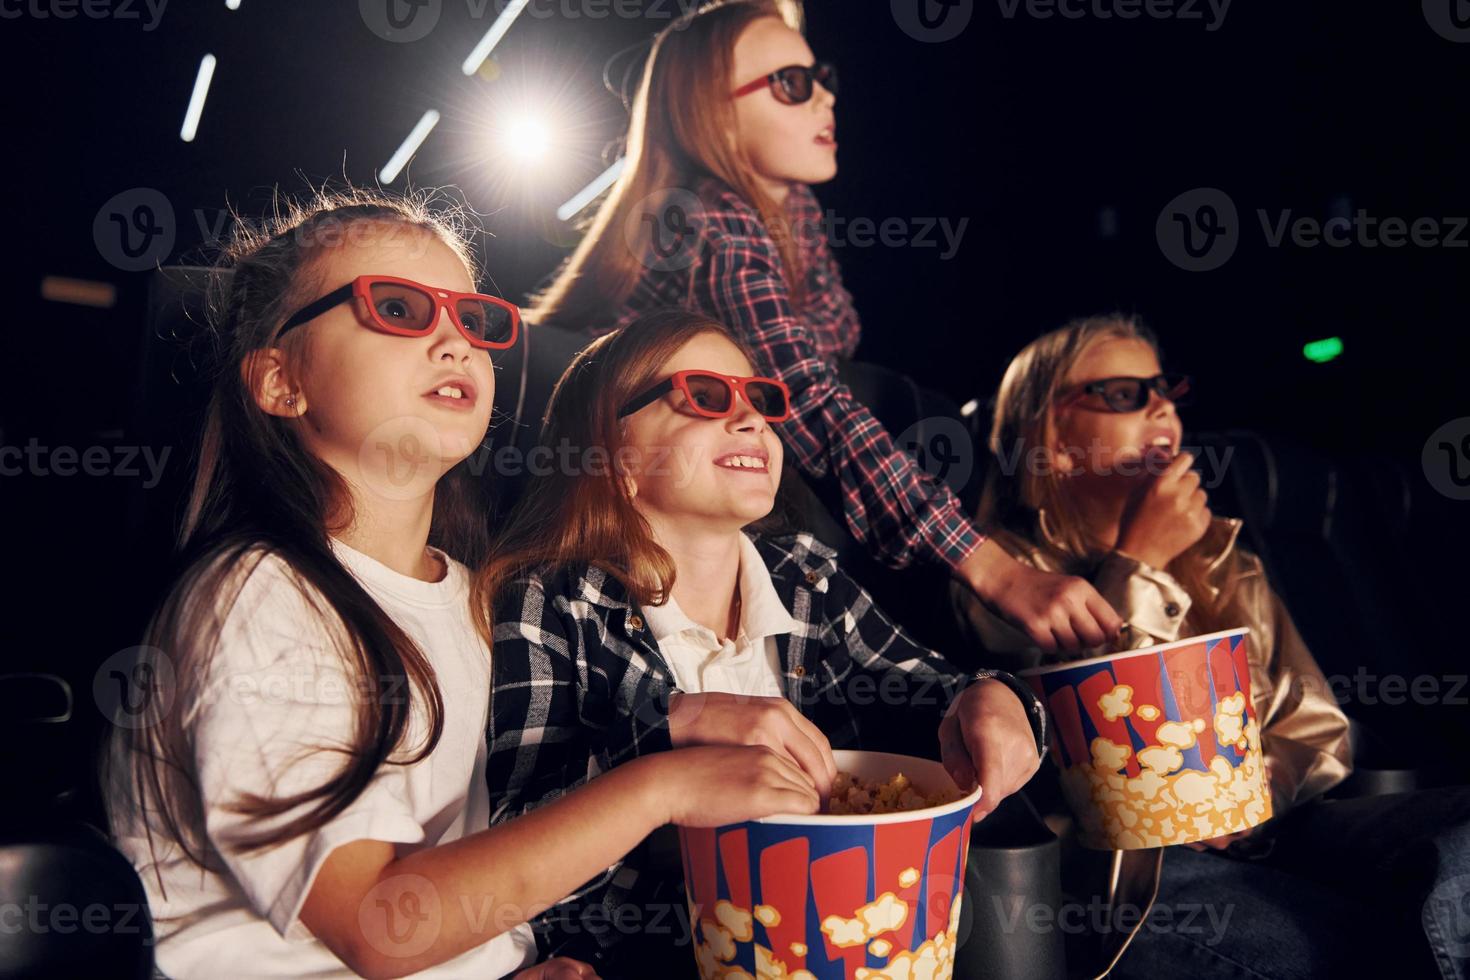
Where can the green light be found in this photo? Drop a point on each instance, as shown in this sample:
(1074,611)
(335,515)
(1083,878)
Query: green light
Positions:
(1322,351)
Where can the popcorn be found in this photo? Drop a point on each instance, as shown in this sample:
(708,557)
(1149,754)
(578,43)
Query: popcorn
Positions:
(736,921)
(844,932)
(1165,804)
(767,967)
(1162,759)
(1116,703)
(1229,726)
(1195,787)
(720,940)
(1107,754)
(1146,786)
(855,795)
(1178,734)
(716,945)
(884,915)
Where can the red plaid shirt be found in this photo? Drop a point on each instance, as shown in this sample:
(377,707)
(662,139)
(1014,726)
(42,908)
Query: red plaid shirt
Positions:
(714,254)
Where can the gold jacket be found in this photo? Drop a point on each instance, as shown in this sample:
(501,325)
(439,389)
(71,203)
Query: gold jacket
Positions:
(1305,736)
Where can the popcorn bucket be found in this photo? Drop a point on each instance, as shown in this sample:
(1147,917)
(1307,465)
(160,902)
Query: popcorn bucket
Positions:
(1160,745)
(825,897)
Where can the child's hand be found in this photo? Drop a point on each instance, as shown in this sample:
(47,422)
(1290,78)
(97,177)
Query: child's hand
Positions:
(711,786)
(986,737)
(1054,611)
(1166,515)
(559,968)
(739,719)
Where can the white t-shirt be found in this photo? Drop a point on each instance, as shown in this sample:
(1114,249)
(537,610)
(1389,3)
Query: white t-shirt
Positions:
(748,664)
(277,688)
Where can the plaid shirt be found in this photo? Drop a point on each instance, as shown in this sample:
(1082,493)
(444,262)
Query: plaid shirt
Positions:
(723,261)
(580,686)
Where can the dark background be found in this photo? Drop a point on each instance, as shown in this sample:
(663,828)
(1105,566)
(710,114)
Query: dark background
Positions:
(1060,140)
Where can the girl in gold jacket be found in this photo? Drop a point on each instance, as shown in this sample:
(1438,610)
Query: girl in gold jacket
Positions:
(1092,481)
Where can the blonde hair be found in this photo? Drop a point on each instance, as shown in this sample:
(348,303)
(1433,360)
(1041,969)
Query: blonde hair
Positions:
(1016,497)
(682,120)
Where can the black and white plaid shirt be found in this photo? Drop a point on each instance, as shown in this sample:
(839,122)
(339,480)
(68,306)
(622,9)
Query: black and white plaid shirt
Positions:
(580,686)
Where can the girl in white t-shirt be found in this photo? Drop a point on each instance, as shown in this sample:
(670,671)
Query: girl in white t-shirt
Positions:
(299,778)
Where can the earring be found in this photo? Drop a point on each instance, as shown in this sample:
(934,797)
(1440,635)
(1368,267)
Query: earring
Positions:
(290,401)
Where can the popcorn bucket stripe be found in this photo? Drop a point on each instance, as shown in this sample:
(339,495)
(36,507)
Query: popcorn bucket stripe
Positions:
(783,887)
(840,884)
(1222,683)
(700,862)
(942,860)
(897,848)
(1223,680)
(1067,716)
(1189,683)
(1144,678)
(733,850)
(1187,699)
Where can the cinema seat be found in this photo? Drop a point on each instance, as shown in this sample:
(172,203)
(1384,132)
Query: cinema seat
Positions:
(525,376)
(70,904)
(1329,533)
(927,423)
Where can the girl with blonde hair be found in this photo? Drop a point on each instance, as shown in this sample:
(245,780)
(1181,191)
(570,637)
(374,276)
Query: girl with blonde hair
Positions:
(1092,479)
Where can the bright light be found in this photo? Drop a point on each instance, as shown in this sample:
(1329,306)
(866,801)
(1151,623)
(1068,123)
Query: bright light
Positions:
(588,194)
(232,4)
(196,101)
(410,146)
(527,139)
(493,35)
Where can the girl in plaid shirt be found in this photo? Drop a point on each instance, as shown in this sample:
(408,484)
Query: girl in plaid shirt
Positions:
(733,120)
(638,609)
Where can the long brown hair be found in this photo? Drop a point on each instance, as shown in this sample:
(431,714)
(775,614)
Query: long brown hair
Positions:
(1017,495)
(681,130)
(259,493)
(583,515)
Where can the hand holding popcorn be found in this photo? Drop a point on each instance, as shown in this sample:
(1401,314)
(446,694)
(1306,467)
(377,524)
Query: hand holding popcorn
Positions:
(986,738)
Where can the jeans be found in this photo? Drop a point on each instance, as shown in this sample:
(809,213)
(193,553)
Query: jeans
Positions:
(1378,886)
